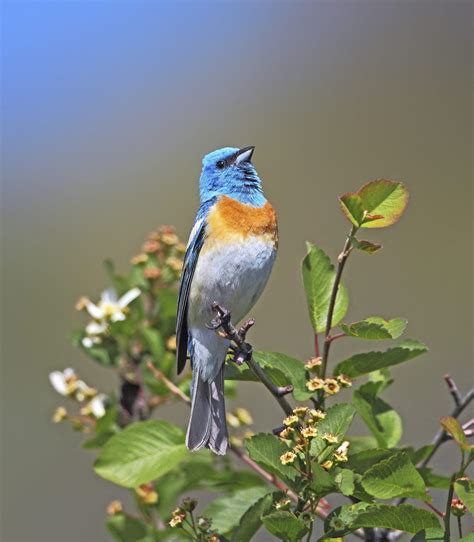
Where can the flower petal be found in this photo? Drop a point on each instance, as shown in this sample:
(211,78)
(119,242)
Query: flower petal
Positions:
(109,296)
(97,405)
(95,311)
(118,316)
(58,382)
(96,328)
(128,297)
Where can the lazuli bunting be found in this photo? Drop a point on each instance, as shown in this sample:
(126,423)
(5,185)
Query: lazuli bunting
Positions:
(228,260)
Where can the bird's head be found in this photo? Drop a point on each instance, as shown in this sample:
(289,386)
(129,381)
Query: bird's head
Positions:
(229,171)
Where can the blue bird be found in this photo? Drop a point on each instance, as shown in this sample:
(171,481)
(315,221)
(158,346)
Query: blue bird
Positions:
(228,260)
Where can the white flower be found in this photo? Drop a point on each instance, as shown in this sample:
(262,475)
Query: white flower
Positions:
(61,381)
(110,307)
(96,406)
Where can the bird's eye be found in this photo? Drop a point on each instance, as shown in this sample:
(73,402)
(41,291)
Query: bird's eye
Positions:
(220,164)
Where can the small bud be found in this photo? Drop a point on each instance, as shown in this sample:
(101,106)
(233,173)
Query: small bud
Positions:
(315,384)
(330,438)
(458,508)
(213,538)
(152,273)
(170,239)
(147,494)
(175,264)
(232,420)
(150,246)
(290,420)
(81,303)
(244,416)
(59,415)
(139,258)
(204,524)
(177,517)
(287,433)
(344,380)
(327,464)
(331,386)
(283,504)
(313,363)
(317,414)
(300,411)
(171,343)
(287,458)
(114,508)
(309,432)
(189,504)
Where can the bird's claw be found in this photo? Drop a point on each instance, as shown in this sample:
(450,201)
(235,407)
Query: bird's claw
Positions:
(222,319)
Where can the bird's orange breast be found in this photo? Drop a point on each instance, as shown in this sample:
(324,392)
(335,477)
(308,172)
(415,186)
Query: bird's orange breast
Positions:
(230,220)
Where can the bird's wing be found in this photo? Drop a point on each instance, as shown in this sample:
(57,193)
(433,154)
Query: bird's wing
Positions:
(196,240)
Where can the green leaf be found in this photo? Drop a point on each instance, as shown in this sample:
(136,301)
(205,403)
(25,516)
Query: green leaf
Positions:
(318,279)
(322,483)
(344,479)
(365,246)
(384,423)
(404,517)
(453,427)
(394,477)
(362,461)
(361,364)
(126,529)
(251,520)
(227,511)
(429,535)
(465,491)
(337,422)
(285,526)
(266,450)
(282,370)
(140,453)
(361,443)
(375,328)
(377,204)
(467,538)
(436,481)
(154,342)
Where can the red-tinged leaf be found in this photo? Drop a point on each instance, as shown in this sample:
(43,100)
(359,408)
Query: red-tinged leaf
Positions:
(454,428)
(366,246)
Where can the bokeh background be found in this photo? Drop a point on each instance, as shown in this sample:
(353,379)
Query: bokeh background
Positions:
(107,108)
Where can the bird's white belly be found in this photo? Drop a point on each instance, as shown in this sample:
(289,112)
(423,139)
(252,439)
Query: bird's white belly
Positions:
(233,274)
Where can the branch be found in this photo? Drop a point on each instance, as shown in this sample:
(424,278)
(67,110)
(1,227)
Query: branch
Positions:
(243,353)
(332,302)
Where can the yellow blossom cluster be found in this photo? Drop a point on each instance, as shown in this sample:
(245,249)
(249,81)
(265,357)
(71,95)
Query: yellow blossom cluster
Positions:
(301,427)
(330,386)
(161,258)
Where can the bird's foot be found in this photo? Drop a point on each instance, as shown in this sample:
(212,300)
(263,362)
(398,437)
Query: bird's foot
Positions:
(222,320)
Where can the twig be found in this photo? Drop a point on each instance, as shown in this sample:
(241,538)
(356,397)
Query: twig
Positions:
(170,385)
(442,436)
(332,302)
(243,353)
(453,390)
(447,515)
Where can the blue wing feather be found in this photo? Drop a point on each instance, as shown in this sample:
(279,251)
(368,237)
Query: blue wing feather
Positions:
(190,260)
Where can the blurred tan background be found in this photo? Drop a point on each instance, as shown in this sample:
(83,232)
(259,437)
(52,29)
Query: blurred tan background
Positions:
(107,109)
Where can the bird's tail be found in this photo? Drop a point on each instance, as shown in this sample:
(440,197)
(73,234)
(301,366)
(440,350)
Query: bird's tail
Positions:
(207,424)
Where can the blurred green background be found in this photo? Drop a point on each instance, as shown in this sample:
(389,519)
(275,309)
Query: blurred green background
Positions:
(107,110)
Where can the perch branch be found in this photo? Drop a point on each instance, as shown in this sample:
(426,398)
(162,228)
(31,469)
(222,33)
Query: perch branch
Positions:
(243,353)
(332,301)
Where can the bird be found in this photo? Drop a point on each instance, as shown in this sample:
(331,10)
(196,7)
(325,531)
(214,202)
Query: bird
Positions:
(228,260)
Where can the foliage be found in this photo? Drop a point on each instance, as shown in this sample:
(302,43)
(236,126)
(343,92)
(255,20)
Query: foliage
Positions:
(282,481)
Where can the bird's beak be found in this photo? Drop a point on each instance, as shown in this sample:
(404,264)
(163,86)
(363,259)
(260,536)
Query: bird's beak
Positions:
(244,155)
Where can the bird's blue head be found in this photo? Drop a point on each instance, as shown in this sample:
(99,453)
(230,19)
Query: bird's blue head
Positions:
(229,171)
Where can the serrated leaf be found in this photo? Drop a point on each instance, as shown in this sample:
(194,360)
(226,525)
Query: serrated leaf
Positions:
(266,450)
(436,481)
(384,423)
(227,511)
(404,517)
(140,453)
(377,204)
(337,422)
(322,483)
(375,327)
(285,526)
(394,477)
(318,279)
(126,529)
(361,443)
(251,520)
(465,491)
(361,364)
(362,461)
